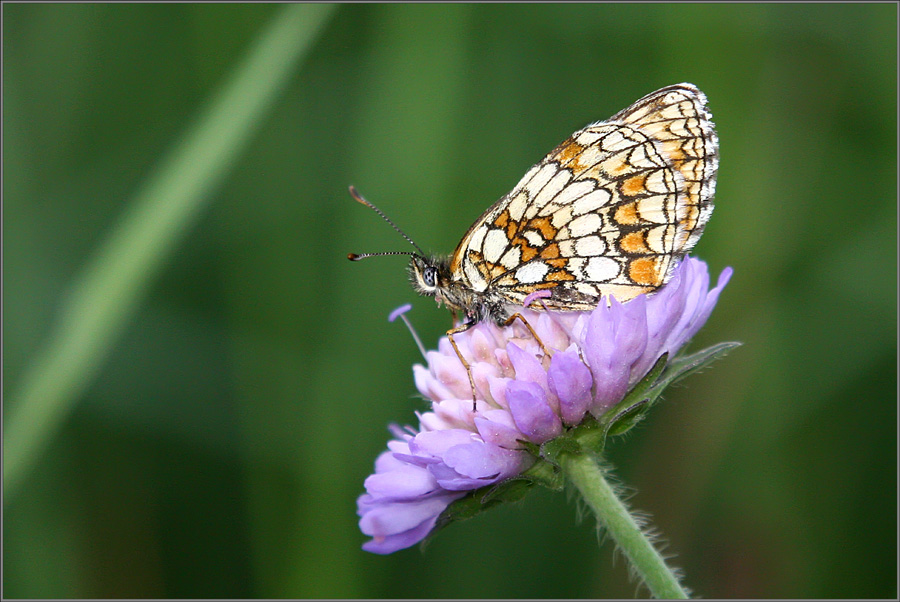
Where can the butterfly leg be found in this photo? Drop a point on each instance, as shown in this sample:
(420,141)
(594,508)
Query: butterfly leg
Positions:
(459,354)
(512,319)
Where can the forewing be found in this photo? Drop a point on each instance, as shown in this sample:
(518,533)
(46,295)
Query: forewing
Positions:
(610,211)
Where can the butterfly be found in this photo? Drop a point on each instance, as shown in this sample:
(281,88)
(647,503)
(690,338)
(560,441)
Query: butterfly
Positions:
(611,211)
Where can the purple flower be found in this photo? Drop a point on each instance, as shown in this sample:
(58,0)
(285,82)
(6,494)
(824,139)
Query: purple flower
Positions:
(523,397)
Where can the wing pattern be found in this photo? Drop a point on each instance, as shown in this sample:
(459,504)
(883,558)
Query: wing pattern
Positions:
(610,211)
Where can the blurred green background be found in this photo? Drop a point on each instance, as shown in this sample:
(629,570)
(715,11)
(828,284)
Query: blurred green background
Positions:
(218,445)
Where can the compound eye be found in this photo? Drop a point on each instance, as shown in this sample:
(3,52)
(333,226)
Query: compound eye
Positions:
(429,277)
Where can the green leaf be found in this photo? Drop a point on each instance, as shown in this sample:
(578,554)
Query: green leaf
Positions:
(638,391)
(479,500)
(625,420)
(689,364)
(624,415)
(545,473)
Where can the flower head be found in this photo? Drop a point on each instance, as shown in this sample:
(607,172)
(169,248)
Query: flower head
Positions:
(524,397)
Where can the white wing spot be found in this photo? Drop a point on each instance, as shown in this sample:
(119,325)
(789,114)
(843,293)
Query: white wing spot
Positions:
(591,202)
(616,141)
(656,182)
(561,217)
(541,178)
(476,280)
(585,225)
(511,258)
(527,177)
(586,137)
(652,209)
(660,237)
(576,267)
(533,238)
(590,246)
(494,243)
(518,206)
(572,192)
(477,237)
(587,289)
(533,272)
(567,248)
(601,269)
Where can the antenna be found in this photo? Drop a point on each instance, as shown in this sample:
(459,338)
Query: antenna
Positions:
(355,257)
(358,256)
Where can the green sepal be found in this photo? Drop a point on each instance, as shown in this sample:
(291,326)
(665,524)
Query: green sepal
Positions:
(546,474)
(564,444)
(624,415)
(483,498)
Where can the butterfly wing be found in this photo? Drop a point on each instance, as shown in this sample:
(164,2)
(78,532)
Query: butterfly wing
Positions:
(678,120)
(610,211)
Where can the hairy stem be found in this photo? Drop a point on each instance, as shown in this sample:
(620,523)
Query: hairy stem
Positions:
(585,472)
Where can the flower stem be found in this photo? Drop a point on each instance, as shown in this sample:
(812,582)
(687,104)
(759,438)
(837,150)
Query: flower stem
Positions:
(585,472)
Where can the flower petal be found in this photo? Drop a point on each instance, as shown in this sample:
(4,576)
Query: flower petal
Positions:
(527,367)
(499,428)
(394,526)
(404,482)
(533,416)
(476,465)
(570,380)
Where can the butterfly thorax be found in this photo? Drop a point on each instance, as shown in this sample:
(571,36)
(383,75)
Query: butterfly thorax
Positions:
(433,278)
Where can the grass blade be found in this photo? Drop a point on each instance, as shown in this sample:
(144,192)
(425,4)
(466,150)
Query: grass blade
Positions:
(114,280)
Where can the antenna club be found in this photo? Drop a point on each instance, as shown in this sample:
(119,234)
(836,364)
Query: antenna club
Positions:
(355,194)
(353,257)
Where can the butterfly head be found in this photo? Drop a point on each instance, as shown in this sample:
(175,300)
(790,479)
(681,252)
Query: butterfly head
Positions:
(433,278)
(430,277)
